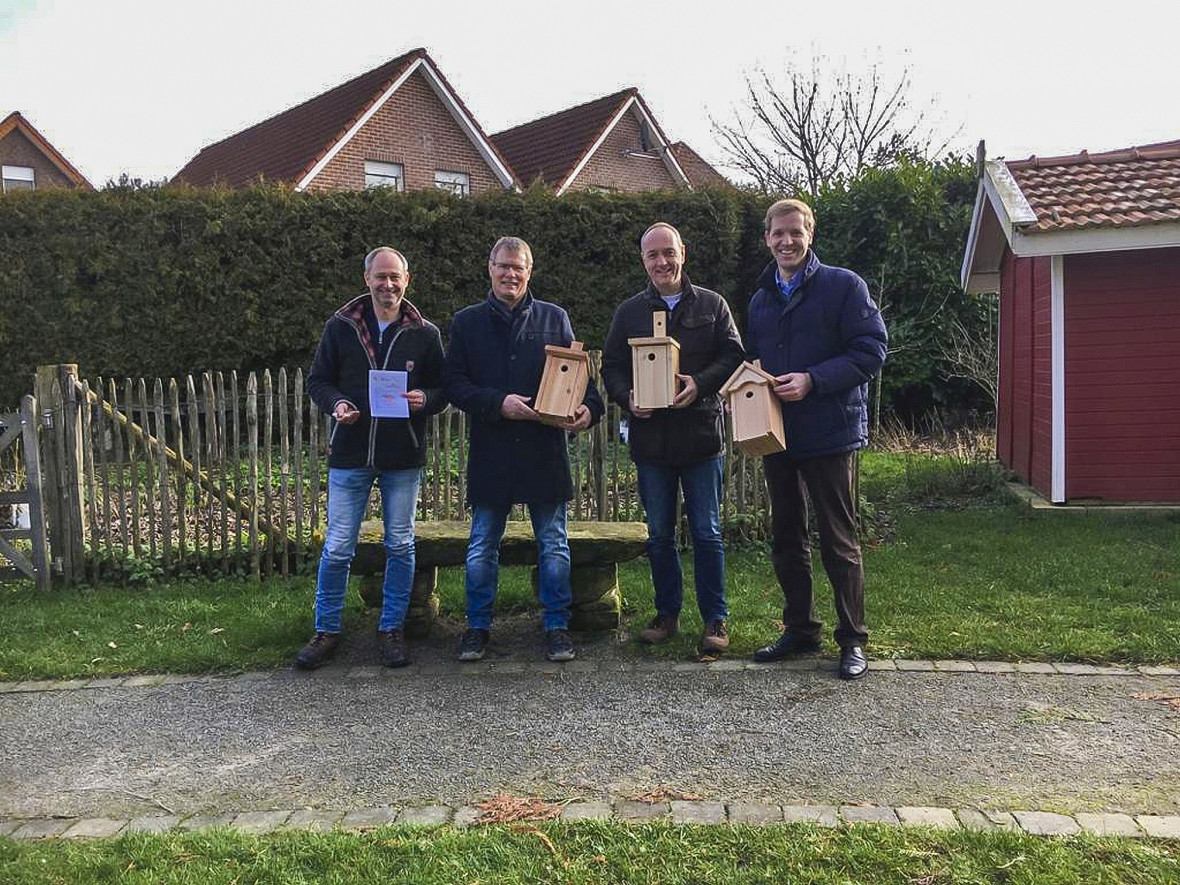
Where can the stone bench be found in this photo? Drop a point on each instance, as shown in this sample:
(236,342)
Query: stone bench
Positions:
(596,549)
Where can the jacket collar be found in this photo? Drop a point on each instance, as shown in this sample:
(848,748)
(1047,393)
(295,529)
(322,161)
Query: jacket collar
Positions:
(510,314)
(810,266)
(360,309)
(687,293)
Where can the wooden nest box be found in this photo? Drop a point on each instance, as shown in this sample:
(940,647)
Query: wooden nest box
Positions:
(563,382)
(655,362)
(757,415)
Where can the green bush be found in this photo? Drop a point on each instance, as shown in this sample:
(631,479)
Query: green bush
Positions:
(153,282)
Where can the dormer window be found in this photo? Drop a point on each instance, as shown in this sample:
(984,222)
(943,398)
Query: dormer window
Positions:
(378,174)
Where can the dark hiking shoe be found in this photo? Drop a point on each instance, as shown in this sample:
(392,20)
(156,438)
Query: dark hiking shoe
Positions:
(316,653)
(853,663)
(471,647)
(788,645)
(715,639)
(558,646)
(660,629)
(393,648)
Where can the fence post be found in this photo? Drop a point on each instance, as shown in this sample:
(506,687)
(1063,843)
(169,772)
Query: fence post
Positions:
(63,467)
(30,422)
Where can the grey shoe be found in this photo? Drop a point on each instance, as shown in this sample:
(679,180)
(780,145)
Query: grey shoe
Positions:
(558,646)
(393,648)
(473,644)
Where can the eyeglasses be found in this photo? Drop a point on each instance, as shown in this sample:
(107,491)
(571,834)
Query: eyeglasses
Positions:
(501,266)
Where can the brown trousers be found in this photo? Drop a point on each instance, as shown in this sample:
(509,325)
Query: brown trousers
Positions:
(830,482)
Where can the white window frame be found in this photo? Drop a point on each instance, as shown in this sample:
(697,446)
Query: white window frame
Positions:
(10,175)
(379,173)
(457,183)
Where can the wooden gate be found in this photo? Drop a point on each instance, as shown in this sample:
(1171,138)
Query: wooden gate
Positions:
(20,431)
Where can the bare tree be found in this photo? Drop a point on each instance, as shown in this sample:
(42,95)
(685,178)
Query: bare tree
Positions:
(973,354)
(800,131)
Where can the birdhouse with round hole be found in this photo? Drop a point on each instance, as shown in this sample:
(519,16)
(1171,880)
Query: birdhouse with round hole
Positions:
(563,383)
(755,410)
(655,362)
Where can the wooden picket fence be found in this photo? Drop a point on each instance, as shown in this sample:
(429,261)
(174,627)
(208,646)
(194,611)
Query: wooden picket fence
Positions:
(221,472)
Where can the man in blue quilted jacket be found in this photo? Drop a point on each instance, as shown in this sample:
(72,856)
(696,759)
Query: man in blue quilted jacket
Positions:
(817,330)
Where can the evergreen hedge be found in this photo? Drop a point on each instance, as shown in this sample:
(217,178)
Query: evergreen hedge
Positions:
(164,281)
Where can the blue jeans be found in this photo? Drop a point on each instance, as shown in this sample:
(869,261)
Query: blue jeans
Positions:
(348,493)
(553,563)
(659,487)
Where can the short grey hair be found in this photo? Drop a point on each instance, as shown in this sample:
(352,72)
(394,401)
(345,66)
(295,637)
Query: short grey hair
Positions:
(665,226)
(373,255)
(511,244)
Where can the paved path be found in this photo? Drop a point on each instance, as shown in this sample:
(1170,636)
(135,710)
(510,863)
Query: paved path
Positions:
(365,740)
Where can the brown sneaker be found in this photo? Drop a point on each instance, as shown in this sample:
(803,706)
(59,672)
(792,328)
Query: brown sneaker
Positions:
(660,628)
(716,637)
(316,653)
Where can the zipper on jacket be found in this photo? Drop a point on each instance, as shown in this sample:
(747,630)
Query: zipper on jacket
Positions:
(373,421)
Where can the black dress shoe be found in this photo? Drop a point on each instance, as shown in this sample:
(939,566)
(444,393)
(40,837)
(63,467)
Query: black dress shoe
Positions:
(853,663)
(788,645)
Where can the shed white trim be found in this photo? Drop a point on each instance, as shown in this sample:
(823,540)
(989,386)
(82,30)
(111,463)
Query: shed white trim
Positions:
(1057,361)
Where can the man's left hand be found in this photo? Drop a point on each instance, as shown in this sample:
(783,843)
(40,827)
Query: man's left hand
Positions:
(580,422)
(793,386)
(417,400)
(687,394)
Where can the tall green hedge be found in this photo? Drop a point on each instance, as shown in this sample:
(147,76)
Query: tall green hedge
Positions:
(164,281)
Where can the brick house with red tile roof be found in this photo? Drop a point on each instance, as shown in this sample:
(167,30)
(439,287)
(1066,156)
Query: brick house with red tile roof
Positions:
(1084,251)
(400,125)
(30,162)
(610,143)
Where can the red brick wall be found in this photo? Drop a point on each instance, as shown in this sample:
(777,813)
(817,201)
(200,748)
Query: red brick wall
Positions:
(17,150)
(413,128)
(611,168)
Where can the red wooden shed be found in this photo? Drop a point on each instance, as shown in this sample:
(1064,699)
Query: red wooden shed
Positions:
(1084,251)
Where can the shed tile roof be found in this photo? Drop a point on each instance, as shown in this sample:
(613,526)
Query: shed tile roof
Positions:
(550,148)
(1125,188)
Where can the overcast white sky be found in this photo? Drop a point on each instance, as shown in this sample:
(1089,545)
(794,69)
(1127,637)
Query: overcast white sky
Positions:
(139,86)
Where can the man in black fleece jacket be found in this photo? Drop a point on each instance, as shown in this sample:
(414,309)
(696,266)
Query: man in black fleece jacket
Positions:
(376,331)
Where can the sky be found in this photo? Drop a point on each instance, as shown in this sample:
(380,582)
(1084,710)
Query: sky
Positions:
(140,86)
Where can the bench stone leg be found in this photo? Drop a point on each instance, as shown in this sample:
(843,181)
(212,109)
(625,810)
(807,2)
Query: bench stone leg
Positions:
(423,599)
(423,603)
(597,602)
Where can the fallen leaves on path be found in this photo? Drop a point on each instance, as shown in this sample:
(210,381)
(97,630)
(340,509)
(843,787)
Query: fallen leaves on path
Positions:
(1163,697)
(504,808)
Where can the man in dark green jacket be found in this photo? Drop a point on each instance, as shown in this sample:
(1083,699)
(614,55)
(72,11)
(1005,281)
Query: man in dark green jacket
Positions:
(678,448)
(379,331)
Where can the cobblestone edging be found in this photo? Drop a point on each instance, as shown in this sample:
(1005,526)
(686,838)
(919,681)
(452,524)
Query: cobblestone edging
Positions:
(525,668)
(1036,823)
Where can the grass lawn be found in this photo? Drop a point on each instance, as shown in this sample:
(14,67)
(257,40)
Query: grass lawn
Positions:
(594,852)
(956,573)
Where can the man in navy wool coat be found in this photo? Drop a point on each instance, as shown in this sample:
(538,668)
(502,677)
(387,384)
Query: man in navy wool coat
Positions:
(493,370)
(817,330)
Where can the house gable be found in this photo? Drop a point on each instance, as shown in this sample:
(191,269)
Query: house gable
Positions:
(589,146)
(22,145)
(296,146)
(412,128)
